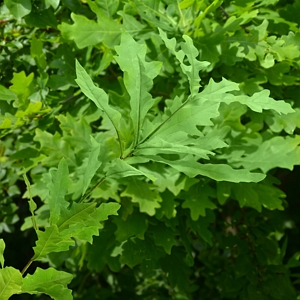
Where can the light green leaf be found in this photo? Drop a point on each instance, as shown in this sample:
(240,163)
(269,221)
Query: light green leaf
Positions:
(55,147)
(92,165)
(2,248)
(158,145)
(218,172)
(140,193)
(58,188)
(32,204)
(82,220)
(283,152)
(138,79)
(53,3)
(186,3)
(191,52)
(49,241)
(36,51)
(22,85)
(10,282)
(50,282)
(261,100)
(108,7)
(152,12)
(19,8)
(6,94)
(98,96)
(87,32)
(288,122)
(186,119)
(120,169)
(217,92)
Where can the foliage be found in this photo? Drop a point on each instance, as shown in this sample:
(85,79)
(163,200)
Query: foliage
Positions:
(142,147)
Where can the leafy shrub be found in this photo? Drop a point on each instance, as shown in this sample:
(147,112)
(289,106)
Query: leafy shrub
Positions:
(149,138)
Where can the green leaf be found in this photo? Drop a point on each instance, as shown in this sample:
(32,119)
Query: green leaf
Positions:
(184,119)
(81,221)
(168,206)
(152,12)
(164,236)
(98,96)
(218,172)
(257,102)
(53,3)
(50,282)
(191,52)
(92,166)
(22,85)
(201,226)
(279,151)
(19,8)
(138,79)
(32,204)
(50,241)
(2,248)
(55,147)
(36,51)
(87,32)
(98,254)
(288,122)
(136,251)
(186,3)
(6,94)
(210,8)
(246,194)
(134,225)
(10,282)
(58,188)
(178,276)
(197,200)
(109,8)
(140,193)
(121,169)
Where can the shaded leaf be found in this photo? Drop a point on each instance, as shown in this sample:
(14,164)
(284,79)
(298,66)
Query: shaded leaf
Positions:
(197,199)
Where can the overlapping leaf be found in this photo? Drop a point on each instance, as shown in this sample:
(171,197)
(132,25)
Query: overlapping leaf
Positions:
(10,282)
(138,79)
(50,282)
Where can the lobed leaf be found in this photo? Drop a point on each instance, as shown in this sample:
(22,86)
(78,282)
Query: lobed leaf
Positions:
(138,79)
(58,188)
(98,96)
(10,282)
(50,282)
(218,172)
(92,166)
(87,32)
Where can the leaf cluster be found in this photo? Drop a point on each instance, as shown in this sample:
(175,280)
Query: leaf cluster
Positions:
(149,138)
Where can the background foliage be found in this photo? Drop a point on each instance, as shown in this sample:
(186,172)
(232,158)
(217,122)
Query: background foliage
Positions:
(122,176)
